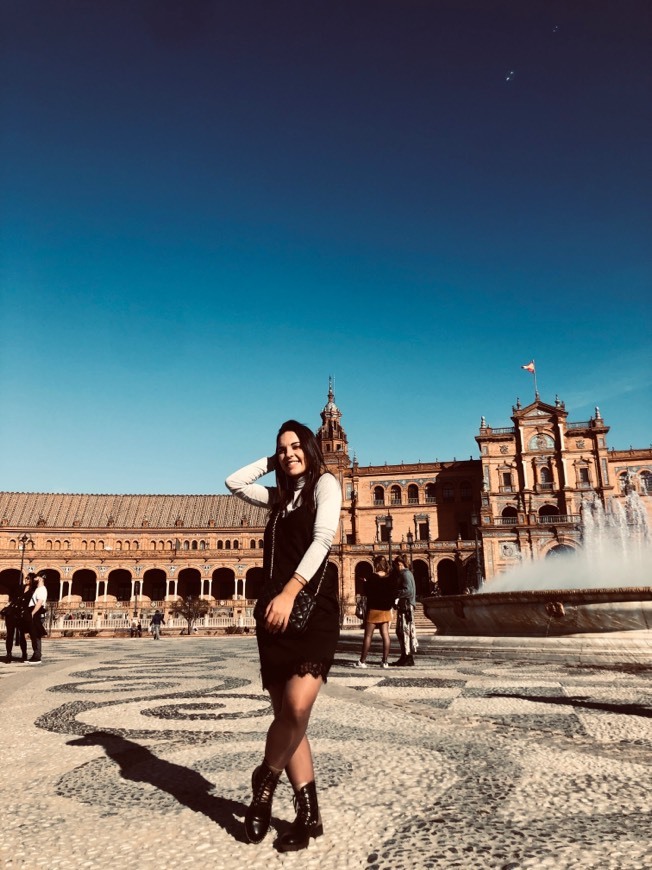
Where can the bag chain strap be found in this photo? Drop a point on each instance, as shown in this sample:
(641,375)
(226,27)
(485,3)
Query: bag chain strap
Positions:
(271,561)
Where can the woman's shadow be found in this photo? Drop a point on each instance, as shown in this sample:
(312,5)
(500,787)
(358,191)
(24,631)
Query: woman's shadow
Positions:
(188,787)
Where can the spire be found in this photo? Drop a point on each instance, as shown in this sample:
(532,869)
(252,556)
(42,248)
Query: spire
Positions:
(331,437)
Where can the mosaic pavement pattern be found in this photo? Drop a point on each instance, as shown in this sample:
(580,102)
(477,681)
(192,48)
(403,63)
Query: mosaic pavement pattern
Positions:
(138,754)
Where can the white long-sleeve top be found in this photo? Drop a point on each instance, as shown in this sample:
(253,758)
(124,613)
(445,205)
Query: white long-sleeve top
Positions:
(328,499)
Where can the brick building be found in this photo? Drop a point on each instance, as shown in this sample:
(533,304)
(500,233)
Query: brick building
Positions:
(461,521)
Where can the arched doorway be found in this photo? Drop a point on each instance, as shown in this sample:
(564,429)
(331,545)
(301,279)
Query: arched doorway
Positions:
(548,510)
(153,588)
(189,583)
(53,584)
(447,577)
(254,580)
(362,572)
(223,584)
(120,584)
(9,581)
(559,550)
(421,578)
(82,587)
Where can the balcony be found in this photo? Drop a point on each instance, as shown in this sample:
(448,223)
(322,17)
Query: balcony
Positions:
(506,521)
(544,487)
(558,519)
(506,488)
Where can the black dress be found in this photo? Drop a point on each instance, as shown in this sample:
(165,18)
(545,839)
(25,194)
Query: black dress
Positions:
(281,655)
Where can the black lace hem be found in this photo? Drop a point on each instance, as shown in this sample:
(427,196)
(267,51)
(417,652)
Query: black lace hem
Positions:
(299,669)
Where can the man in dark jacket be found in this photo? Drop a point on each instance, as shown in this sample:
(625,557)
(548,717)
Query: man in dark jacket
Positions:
(156,623)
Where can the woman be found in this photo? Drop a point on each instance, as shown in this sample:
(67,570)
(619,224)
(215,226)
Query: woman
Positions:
(15,617)
(305,512)
(380,593)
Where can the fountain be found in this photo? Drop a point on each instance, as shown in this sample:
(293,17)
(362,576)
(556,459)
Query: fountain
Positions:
(604,586)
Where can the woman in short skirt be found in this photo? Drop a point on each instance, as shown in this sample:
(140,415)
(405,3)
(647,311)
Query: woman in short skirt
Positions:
(305,512)
(380,592)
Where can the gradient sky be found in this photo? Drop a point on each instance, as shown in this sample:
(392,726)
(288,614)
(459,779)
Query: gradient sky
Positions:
(207,208)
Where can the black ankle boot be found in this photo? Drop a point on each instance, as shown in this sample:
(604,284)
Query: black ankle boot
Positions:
(257,818)
(307,823)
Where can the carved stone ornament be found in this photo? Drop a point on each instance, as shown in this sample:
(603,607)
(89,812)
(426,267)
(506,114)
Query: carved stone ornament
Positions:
(580,443)
(504,448)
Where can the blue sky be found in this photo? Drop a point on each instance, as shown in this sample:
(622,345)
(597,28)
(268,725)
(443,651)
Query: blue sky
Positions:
(210,207)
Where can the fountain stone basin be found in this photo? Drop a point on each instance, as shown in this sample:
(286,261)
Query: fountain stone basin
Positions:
(542,613)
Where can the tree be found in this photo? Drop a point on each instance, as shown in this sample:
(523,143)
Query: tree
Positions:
(191,609)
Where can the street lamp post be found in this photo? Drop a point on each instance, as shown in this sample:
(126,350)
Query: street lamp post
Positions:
(389,525)
(479,578)
(23,540)
(410,543)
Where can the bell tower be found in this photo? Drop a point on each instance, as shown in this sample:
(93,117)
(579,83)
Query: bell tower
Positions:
(330,435)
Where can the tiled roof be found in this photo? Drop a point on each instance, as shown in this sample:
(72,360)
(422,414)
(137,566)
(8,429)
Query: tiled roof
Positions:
(60,510)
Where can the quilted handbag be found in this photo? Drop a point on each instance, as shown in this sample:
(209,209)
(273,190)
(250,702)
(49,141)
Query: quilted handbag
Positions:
(304,603)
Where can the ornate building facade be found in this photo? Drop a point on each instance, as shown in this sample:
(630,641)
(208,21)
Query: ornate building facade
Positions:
(462,522)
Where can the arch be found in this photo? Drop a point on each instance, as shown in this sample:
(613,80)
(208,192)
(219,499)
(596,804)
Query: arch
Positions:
(395,494)
(223,584)
(559,550)
(9,581)
(254,580)
(52,579)
(154,584)
(646,482)
(447,577)
(379,495)
(431,493)
(509,512)
(545,474)
(189,583)
(548,510)
(119,584)
(252,544)
(362,572)
(421,577)
(82,587)
(413,493)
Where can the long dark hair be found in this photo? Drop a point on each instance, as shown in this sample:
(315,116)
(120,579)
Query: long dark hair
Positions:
(315,466)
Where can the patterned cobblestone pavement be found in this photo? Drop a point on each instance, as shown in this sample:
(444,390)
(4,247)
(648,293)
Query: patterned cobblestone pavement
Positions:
(487,754)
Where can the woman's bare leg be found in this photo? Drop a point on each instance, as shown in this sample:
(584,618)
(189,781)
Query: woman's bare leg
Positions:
(287,745)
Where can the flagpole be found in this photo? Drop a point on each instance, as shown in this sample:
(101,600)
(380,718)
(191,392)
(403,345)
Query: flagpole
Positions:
(536,389)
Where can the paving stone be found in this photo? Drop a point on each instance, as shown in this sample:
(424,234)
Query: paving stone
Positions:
(489,753)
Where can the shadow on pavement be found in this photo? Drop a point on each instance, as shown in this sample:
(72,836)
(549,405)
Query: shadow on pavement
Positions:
(581,703)
(188,787)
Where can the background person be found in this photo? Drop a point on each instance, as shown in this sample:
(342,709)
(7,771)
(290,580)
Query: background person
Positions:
(34,626)
(15,615)
(406,599)
(305,512)
(156,622)
(380,593)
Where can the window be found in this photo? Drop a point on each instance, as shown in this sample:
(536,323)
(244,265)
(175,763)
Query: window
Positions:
(646,482)
(506,478)
(465,490)
(584,478)
(413,494)
(422,531)
(220,545)
(448,493)
(227,545)
(236,544)
(395,495)
(379,495)
(431,497)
